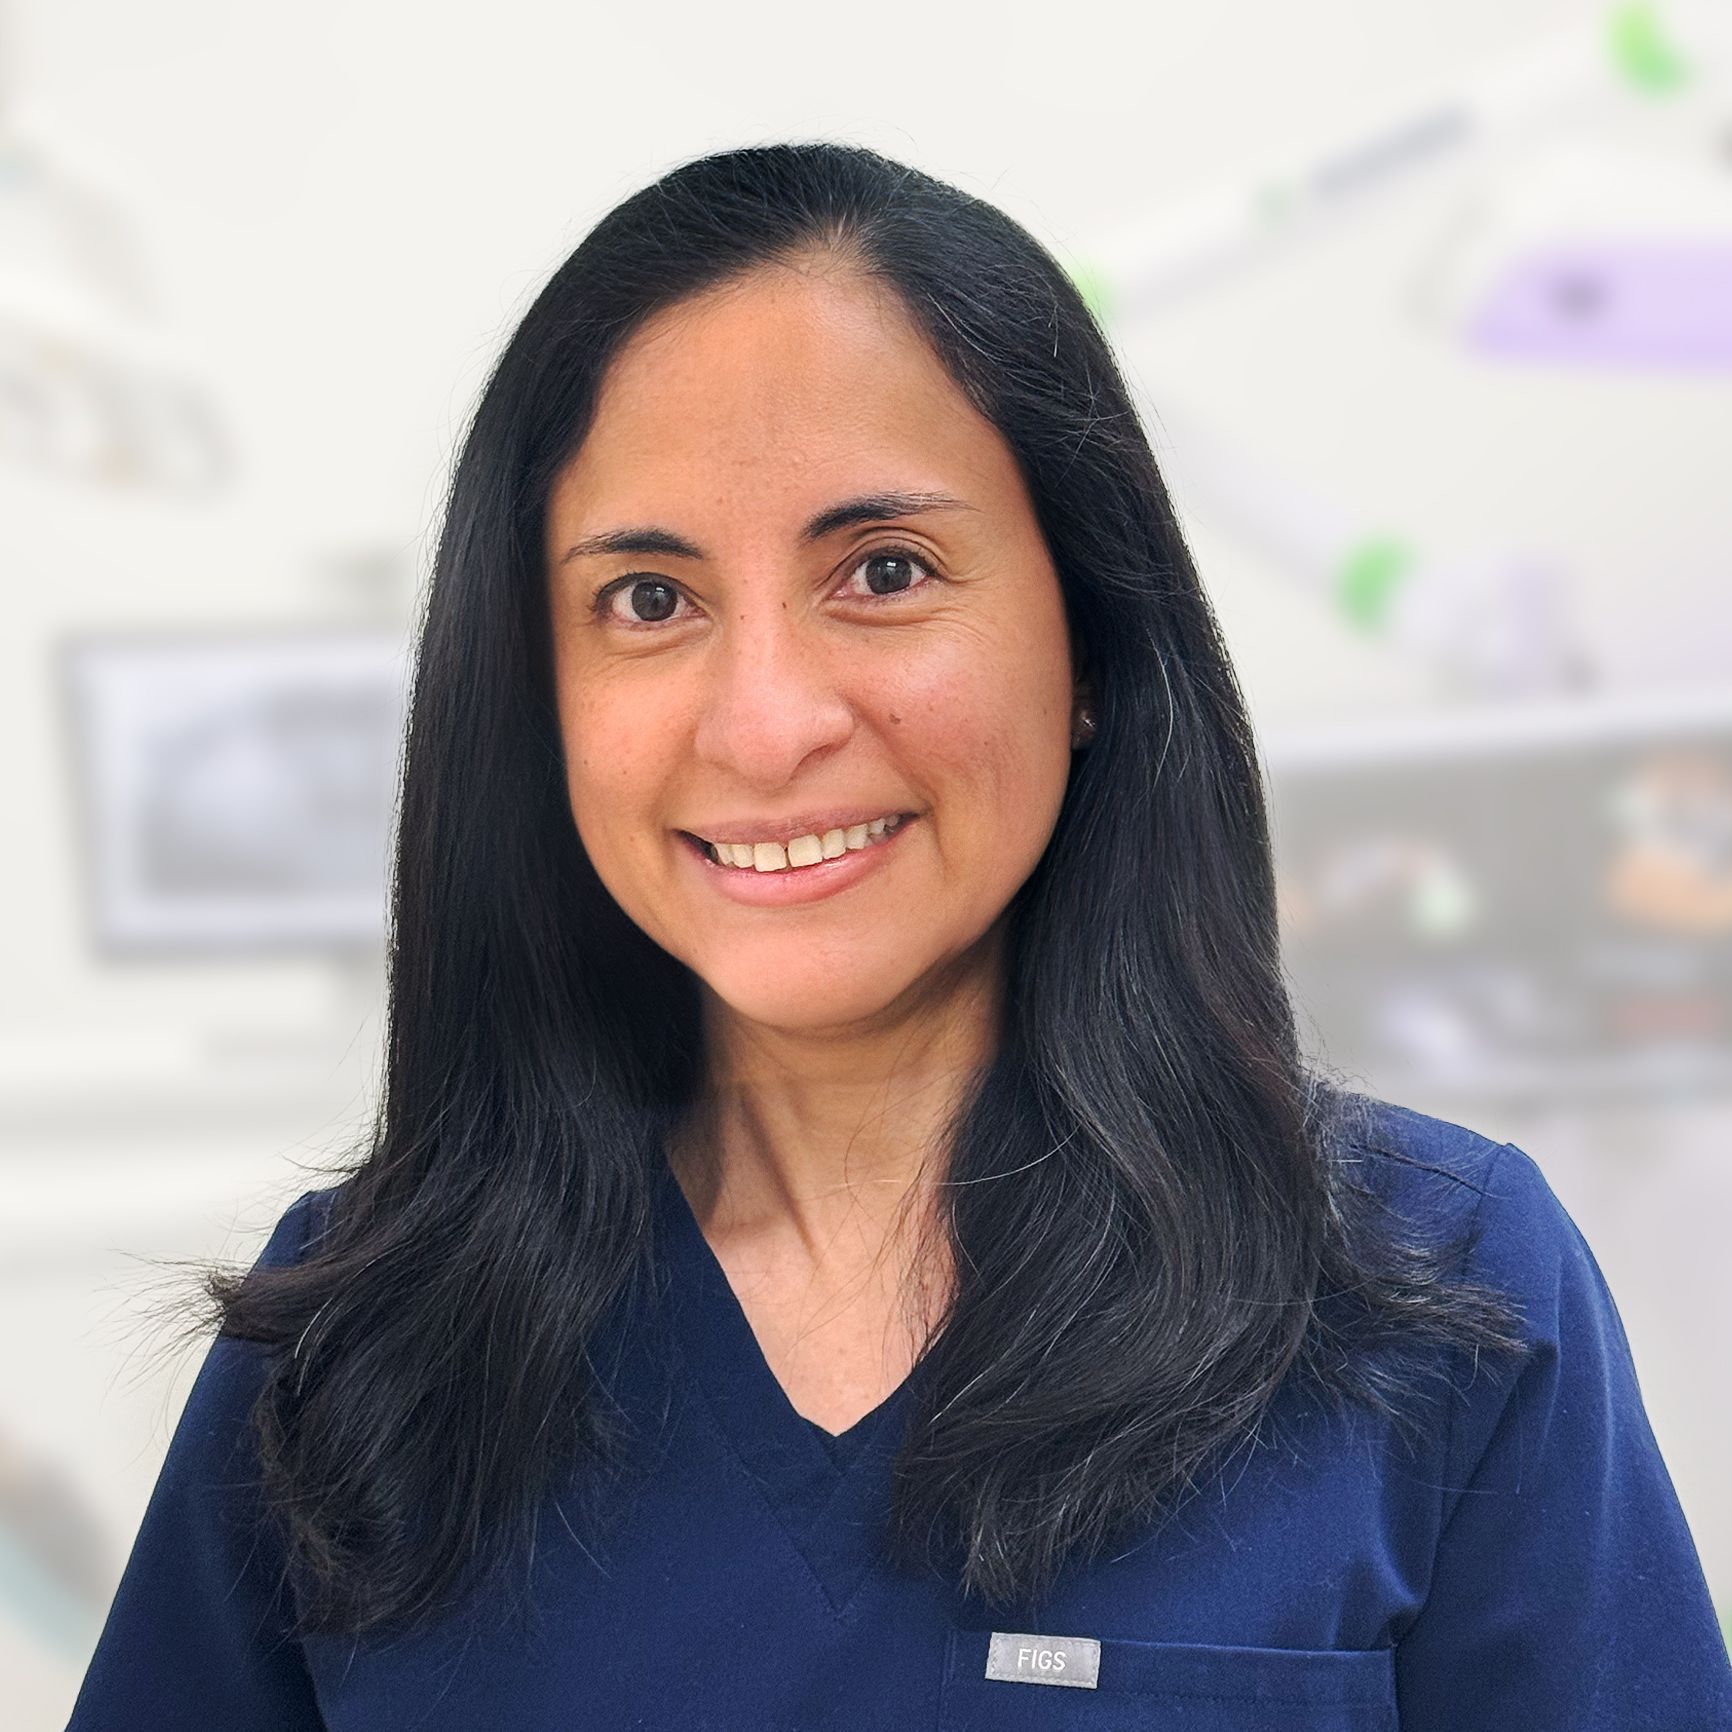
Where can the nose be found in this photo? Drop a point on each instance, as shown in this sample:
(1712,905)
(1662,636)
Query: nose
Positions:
(776,692)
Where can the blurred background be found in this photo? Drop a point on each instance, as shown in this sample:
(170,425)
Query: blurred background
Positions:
(1429,310)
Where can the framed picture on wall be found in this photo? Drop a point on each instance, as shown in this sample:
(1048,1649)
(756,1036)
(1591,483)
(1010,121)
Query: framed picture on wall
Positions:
(236,790)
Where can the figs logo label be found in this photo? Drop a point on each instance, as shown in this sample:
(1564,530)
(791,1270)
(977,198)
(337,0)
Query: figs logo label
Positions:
(1070,1660)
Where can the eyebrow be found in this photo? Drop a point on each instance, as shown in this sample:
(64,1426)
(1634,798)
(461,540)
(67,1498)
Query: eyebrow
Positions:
(866,508)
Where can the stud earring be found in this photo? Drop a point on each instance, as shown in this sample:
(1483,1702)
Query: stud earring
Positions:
(1083,731)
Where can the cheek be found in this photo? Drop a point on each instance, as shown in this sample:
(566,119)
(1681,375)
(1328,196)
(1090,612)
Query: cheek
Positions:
(987,743)
(610,768)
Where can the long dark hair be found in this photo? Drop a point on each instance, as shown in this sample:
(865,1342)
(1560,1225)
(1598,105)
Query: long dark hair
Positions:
(1170,1230)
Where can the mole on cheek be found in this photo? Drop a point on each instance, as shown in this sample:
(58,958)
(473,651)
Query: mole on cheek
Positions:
(896,718)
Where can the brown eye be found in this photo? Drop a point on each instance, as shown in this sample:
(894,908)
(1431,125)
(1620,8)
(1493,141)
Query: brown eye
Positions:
(650,600)
(889,571)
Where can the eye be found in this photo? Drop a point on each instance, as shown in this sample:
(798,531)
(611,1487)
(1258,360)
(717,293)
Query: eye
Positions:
(658,595)
(893,557)
(651,599)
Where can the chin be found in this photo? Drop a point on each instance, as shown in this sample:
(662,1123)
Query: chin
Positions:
(802,999)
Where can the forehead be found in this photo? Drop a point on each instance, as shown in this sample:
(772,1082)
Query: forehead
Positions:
(789,383)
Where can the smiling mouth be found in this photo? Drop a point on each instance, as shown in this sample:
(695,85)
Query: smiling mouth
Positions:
(802,852)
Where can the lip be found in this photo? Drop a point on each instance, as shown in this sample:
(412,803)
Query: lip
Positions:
(784,830)
(793,885)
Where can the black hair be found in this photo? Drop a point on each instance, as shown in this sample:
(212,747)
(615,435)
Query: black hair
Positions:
(1152,1213)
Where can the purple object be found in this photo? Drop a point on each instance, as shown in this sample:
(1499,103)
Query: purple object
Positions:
(1661,303)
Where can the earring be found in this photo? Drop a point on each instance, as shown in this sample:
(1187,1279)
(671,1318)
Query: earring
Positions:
(1083,730)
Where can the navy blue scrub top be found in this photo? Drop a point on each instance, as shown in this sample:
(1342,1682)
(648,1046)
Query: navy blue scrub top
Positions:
(1528,1567)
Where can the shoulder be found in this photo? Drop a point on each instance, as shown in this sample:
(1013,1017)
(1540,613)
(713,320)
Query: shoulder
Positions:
(235,1365)
(199,1631)
(1522,1244)
(296,1233)
(1415,1159)
(1433,1171)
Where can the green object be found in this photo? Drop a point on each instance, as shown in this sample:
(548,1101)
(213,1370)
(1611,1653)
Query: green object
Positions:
(1641,50)
(1368,577)
(45,1604)
(1096,291)
(1275,202)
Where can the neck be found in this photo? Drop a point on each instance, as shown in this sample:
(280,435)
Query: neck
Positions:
(830,1144)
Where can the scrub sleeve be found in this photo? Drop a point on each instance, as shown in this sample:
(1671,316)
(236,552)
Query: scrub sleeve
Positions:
(197,1635)
(1566,1592)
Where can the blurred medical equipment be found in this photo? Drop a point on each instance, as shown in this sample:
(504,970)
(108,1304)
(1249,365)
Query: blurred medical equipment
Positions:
(1565,252)
(1516,905)
(1497,622)
(92,385)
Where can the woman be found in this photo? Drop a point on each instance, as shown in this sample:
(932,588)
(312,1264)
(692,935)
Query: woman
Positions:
(849,1239)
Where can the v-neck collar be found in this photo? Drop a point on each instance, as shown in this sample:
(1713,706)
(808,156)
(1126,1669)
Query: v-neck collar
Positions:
(830,1509)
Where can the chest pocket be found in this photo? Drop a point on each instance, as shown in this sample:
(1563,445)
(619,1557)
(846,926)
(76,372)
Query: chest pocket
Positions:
(1185,1686)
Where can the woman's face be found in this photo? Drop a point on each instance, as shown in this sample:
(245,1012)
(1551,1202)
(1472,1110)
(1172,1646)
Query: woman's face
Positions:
(752,663)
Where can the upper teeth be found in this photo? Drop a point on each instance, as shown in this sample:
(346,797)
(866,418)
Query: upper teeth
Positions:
(803,850)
